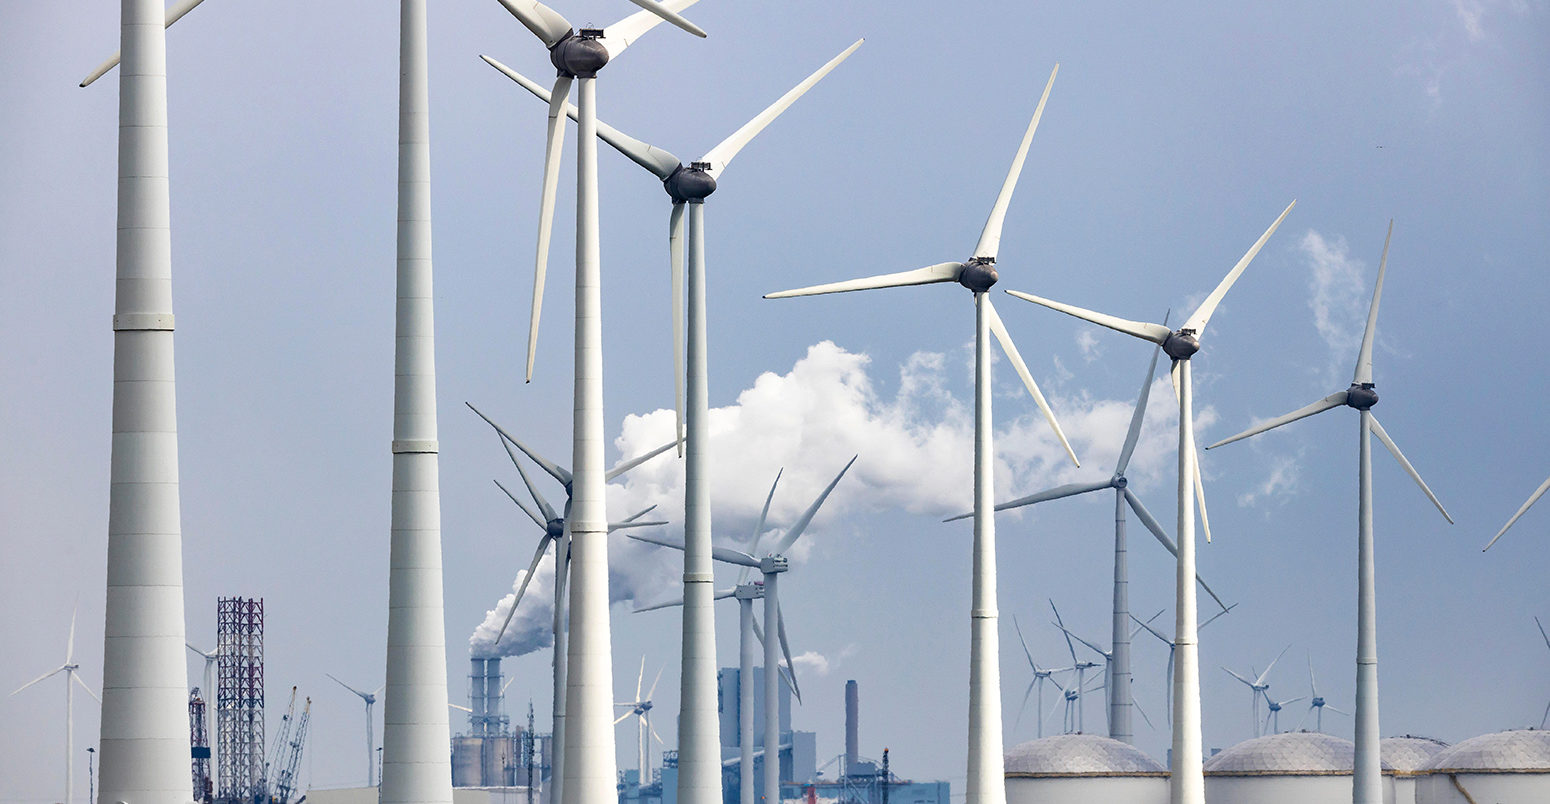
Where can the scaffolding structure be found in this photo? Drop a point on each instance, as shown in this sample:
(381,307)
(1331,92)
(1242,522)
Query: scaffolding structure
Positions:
(240,699)
(199,749)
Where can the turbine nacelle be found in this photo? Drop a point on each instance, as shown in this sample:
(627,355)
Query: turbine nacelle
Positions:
(749,591)
(978,274)
(555,528)
(579,55)
(691,185)
(1119,482)
(769,565)
(1182,344)
(1361,396)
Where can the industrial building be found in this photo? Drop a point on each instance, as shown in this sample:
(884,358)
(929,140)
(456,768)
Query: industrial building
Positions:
(1083,768)
(493,754)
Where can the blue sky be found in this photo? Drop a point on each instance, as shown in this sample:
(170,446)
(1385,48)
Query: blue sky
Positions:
(1172,137)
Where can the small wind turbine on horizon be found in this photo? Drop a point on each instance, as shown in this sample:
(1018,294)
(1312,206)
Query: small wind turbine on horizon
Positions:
(1109,690)
(369,698)
(68,668)
(578,56)
(640,709)
(986,783)
(1146,625)
(1040,675)
(210,660)
(1367,774)
(1273,714)
(1316,702)
(1257,687)
(1186,781)
(699,749)
(1079,666)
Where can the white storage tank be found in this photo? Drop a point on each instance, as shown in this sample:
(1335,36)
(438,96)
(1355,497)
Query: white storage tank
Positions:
(1083,769)
(1294,768)
(1509,767)
(1407,755)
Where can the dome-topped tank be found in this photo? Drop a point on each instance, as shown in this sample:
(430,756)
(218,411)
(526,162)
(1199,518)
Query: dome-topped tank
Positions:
(1080,769)
(1508,767)
(1294,768)
(1407,755)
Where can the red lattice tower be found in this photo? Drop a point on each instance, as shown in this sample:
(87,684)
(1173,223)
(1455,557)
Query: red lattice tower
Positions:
(199,748)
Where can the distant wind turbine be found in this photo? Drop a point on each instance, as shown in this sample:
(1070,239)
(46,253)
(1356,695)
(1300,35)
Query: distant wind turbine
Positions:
(68,668)
(1187,778)
(1040,676)
(986,783)
(369,698)
(1146,625)
(1257,687)
(1110,691)
(640,709)
(211,693)
(1316,702)
(1367,776)
(1273,714)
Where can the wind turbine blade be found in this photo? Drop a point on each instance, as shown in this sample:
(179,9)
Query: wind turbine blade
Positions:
(1334,400)
(721,155)
(654,734)
(543,21)
(795,531)
(642,512)
(634,462)
(1026,652)
(1200,486)
(1062,626)
(622,34)
(1240,678)
(990,237)
(659,162)
(675,270)
(1533,498)
(543,544)
(1293,700)
(785,649)
(1156,333)
(941,272)
(460,708)
(59,669)
(1137,417)
(1151,524)
(999,328)
(1059,492)
(666,604)
(1337,711)
(1197,322)
(70,642)
(613,526)
(545,464)
(1149,629)
(640,680)
(346,686)
(764,513)
(1262,676)
(1364,358)
(536,519)
(77,679)
(1313,683)
(174,13)
(665,541)
(1213,618)
(1304,717)
(723,594)
(543,504)
(653,690)
(1024,705)
(554,146)
(1142,712)
(1542,631)
(1096,649)
(1414,475)
(620,719)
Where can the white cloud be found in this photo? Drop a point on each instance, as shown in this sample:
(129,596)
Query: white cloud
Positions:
(1338,295)
(1087,342)
(811,663)
(1282,479)
(1469,13)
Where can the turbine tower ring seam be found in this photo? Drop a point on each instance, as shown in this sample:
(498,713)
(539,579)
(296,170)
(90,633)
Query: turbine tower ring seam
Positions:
(412,447)
(699,577)
(142,322)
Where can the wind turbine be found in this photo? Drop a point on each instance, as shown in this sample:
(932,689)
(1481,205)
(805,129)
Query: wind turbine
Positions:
(1040,675)
(210,690)
(699,757)
(556,528)
(1172,646)
(1317,702)
(1367,777)
(1546,716)
(1119,670)
(589,773)
(640,709)
(1273,714)
(68,668)
(1108,675)
(1257,687)
(1187,778)
(369,698)
(1078,665)
(986,783)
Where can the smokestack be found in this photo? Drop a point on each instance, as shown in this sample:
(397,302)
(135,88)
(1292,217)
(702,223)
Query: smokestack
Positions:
(852,724)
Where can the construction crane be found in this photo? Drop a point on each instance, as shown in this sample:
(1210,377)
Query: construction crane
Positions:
(280,776)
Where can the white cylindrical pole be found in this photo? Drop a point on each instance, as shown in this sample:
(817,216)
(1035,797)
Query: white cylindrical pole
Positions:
(416,765)
(699,730)
(986,783)
(69,737)
(771,689)
(371,748)
(144,731)
(1367,772)
(1187,778)
(1119,639)
(590,768)
(745,793)
(561,650)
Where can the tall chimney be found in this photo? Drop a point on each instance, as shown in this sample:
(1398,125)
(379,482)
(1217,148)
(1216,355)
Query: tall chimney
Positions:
(852,724)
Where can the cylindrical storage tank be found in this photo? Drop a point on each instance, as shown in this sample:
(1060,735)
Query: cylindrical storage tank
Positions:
(1406,755)
(1294,768)
(1082,769)
(467,761)
(1509,767)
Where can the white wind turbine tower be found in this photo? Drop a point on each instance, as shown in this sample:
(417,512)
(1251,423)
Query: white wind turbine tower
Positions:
(1172,647)
(1040,675)
(369,698)
(1186,781)
(1317,702)
(1257,687)
(986,783)
(210,695)
(640,709)
(68,668)
(1546,716)
(1367,780)
(556,528)
(699,752)
(1120,674)
(770,567)
(589,772)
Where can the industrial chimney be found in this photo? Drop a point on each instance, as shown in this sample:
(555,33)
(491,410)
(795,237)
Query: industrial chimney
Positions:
(852,724)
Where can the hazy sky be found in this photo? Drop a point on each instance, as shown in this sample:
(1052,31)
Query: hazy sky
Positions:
(1174,135)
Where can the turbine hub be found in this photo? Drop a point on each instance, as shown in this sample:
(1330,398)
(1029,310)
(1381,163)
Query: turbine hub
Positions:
(979,274)
(579,55)
(555,528)
(1361,396)
(770,565)
(690,185)
(750,591)
(1318,701)
(1119,482)
(1182,345)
